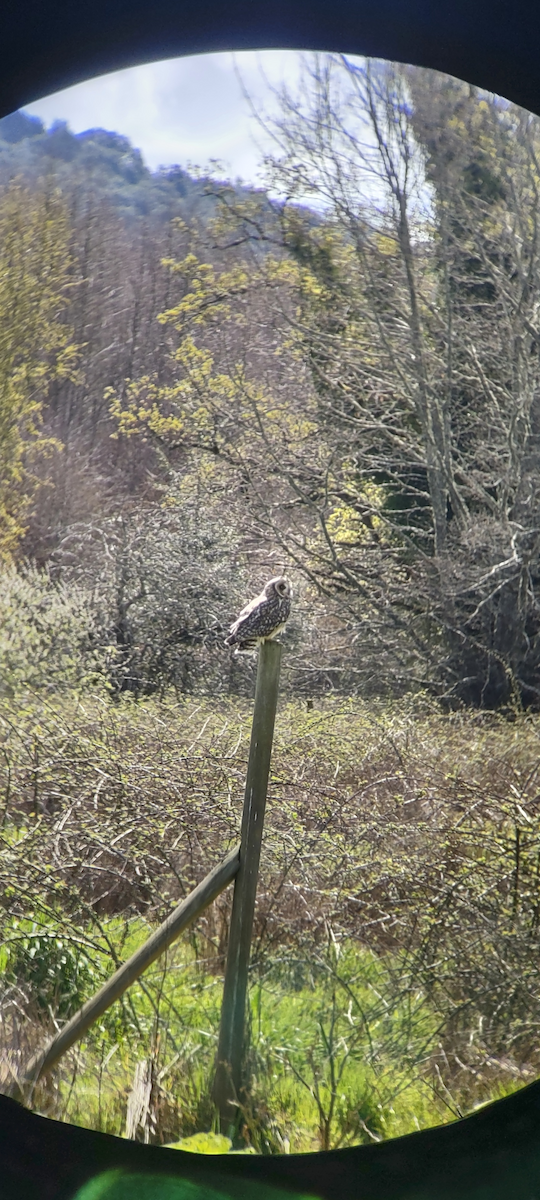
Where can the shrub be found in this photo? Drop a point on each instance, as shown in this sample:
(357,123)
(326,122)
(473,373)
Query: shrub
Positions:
(53,971)
(47,633)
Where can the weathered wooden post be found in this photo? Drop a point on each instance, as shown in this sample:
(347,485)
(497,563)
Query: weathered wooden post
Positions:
(228,1078)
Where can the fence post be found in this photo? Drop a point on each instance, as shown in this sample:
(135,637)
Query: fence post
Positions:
(228,1077)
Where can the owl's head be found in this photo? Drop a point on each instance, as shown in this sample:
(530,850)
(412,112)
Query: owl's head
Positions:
(280,586)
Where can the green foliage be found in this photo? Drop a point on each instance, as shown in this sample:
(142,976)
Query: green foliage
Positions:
(346,1054)
(365,384)
(53,972)
(394,967)
(322,1077)
(120,179)
(156,582)
(203,1143)
(34,341)
(345,381)
(48,634)
(215,409)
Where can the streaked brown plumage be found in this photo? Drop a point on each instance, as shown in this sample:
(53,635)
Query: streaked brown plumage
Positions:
(264,617)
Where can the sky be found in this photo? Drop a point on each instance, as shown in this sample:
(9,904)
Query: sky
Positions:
(183,110)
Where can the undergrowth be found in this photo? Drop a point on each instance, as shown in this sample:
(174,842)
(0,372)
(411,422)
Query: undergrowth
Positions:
(394,979)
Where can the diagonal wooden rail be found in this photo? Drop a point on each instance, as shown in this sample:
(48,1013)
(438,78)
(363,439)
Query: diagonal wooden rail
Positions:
(242,864)
(74,1029)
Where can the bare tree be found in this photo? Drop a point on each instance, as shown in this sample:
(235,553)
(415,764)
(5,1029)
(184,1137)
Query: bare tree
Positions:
(418,296)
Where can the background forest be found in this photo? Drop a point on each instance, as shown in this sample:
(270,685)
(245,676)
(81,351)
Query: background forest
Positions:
(204,384)
(201,383)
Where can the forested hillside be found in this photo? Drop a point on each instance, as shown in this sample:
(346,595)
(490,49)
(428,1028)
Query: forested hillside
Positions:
(102,162)
(342,382)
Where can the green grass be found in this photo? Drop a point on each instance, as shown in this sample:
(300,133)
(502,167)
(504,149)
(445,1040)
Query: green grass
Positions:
(395,965)
(331,1065)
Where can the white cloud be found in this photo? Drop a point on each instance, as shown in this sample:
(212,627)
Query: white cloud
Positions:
(182,110)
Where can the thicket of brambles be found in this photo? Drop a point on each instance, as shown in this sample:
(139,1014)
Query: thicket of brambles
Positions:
(200,386)
(394,975)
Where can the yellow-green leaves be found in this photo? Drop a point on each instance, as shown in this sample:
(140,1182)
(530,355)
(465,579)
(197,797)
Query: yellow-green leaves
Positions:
(34,341)
(208,293)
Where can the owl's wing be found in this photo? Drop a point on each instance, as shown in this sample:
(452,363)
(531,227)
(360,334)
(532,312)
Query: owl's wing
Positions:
(246,613)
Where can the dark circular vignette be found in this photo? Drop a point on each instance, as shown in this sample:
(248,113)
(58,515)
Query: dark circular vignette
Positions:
(46,45)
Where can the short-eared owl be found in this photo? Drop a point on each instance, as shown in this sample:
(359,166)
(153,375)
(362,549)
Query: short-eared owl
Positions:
(264,616)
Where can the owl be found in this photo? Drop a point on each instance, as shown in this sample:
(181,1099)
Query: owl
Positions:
(264,617)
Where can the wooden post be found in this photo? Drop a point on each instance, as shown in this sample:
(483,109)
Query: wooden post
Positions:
(185,912)
(228,1077)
